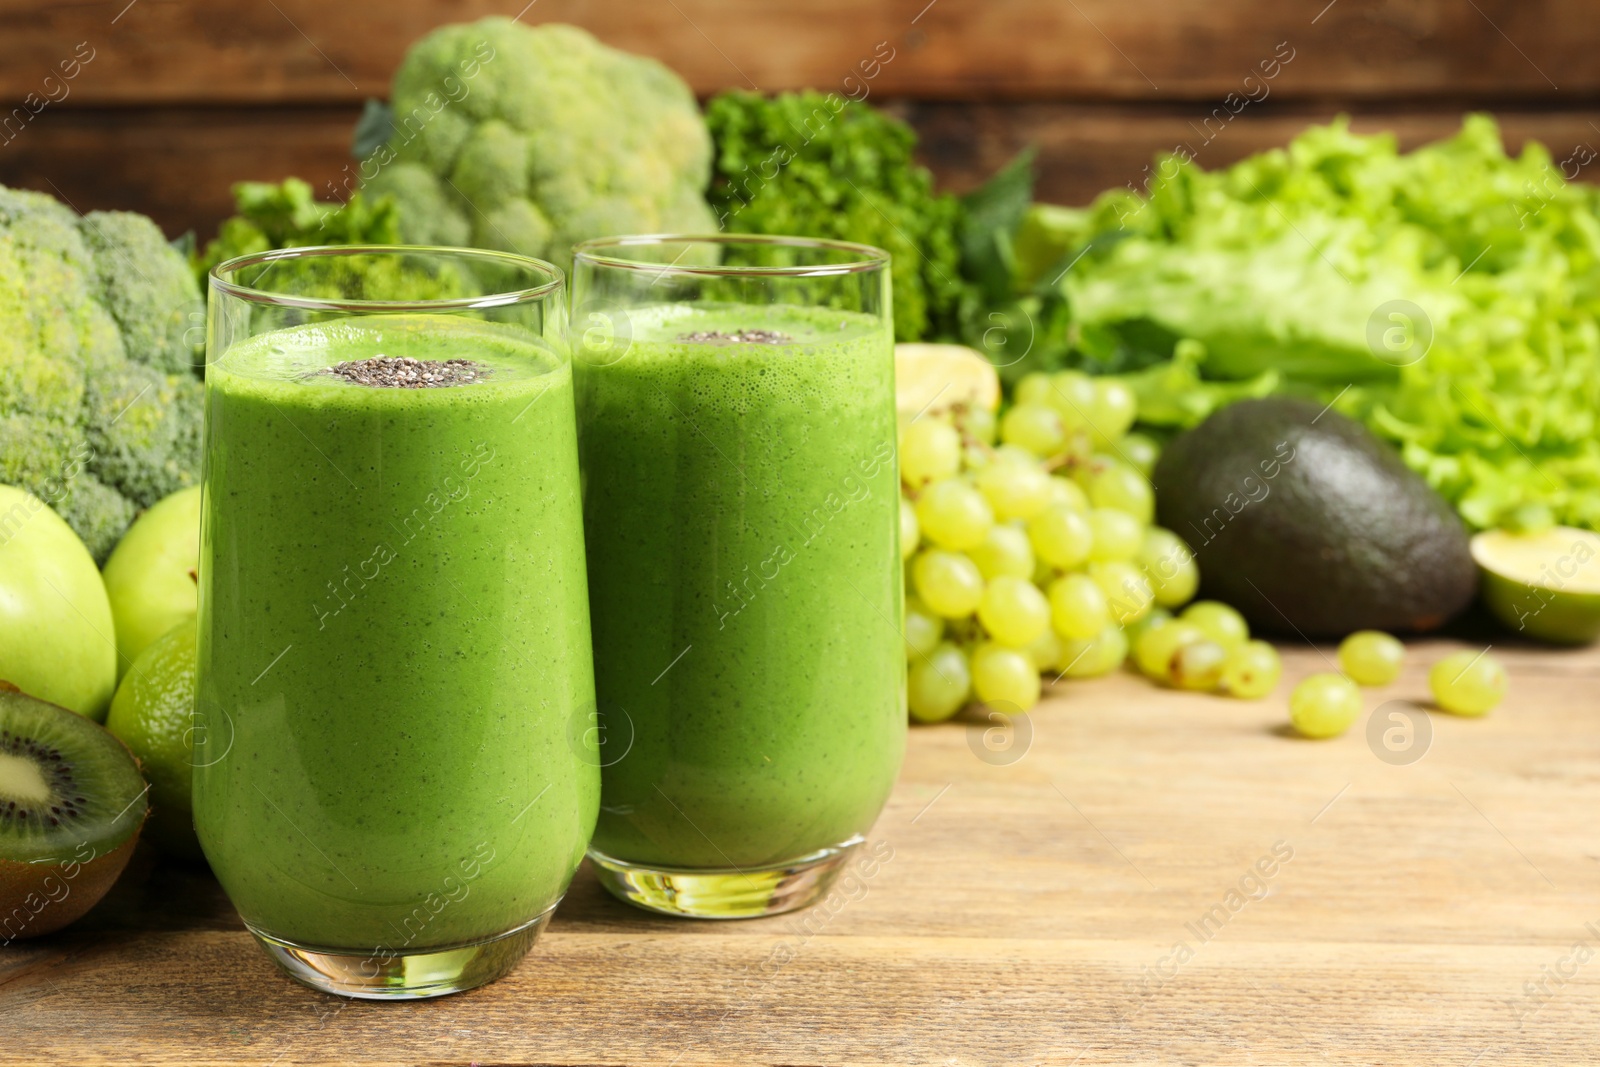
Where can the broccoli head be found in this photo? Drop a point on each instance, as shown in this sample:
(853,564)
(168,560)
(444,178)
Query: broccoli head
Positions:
(100,408)
(530,139)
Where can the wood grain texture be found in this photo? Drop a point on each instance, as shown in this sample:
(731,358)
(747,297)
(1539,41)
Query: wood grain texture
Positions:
(177,164)
(235,51)
(1029,914)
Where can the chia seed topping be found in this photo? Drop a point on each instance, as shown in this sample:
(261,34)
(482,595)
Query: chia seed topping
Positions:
(403,372)
(738,337)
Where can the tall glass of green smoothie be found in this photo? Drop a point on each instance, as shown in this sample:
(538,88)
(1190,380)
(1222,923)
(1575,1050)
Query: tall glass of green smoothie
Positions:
(395,776)
(736,423)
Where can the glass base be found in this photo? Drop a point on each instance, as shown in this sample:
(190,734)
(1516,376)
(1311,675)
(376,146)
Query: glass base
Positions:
(725,894)
(428,972)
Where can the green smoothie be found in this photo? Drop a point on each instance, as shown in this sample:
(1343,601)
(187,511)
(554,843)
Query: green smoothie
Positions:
(741,513)
(394,664)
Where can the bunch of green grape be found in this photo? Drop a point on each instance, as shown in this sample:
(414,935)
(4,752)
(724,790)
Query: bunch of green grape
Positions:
(1032,554)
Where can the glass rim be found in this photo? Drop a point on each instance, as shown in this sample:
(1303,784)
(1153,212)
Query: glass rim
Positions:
(257,295)
(869,257)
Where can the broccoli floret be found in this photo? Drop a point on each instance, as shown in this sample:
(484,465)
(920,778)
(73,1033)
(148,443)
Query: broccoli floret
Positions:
(530,139)
(100,408)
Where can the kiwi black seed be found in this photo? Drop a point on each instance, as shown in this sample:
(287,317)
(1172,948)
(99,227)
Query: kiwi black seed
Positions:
(71,807)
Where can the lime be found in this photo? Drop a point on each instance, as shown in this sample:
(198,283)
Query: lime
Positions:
(1544,584)
(152,714)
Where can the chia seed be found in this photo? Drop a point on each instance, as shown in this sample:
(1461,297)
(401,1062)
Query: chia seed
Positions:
(738,337)
(403,372)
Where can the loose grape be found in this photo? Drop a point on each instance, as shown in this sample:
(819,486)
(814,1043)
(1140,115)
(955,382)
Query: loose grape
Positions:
(1119,486)
(1324,705)
(1252,671)
(1006,550)
(954,515)
(1091,657)
(930,450)
(910,529)
(1073,396)
(1061,536)
(1467,683)
(1371,657)
(1126,588)
(1153,651)
(1005,676)
(1115,408)
(1170,566)
(1033,389)
(1078,607)
(1015,490)
(924,630)
(1046,651)
(1034,427)
(1013,611)
(1198,665)
(1153,618)
(1117,535)
(1140,452)
(947,582)
(1218,622)
(1069,494)
(939,684)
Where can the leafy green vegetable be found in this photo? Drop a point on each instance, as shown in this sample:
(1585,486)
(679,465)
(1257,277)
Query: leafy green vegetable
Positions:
(1449,297)
(816,165)
(530,139)
(99,403)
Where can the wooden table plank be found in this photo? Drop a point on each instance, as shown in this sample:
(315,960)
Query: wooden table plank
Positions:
(310,51)
(1026,912)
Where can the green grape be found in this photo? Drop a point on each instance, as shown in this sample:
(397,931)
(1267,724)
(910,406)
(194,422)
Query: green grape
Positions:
(1046,651)
(1126,588)
(1252,671)
(1013,611)
(1139,452)
(1033,389)
(947,582)
(1149,621)
(1069,494)
(924,630)
(1324,705)
(1467,683)
(1003,675)
(1170,566)
(1198,665)
(1034,427)
(910,529)
(1061,536)
(979,424)
(1078,607)
(1006,550)
(1015,490)
(1073,397)
(939,684)
(1094,656)
(1119,486)
(1153,651)
(1371,657)
(954,515)
(1117,535)
(1218,622)
(1015,454)
(930,450)
(1115,408)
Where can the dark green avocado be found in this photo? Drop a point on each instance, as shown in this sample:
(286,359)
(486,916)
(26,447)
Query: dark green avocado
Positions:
(1310,525)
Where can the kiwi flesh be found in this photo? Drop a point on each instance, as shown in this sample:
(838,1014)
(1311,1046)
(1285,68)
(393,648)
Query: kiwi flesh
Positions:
(71,807)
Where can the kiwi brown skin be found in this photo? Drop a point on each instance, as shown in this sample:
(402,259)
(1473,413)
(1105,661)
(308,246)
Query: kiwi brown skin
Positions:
(41,897)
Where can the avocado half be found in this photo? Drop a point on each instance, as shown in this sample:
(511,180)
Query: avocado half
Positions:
(1310,525)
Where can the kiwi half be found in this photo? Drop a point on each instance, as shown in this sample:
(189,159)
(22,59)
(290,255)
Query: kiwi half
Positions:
(71,807)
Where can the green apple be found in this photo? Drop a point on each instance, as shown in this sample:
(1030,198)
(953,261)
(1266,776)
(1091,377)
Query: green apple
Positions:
(57,640)
(150,575)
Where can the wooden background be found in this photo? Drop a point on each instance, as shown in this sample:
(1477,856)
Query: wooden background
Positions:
(184,97)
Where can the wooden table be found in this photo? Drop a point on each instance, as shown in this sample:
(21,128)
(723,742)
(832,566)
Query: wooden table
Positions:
(1063,900)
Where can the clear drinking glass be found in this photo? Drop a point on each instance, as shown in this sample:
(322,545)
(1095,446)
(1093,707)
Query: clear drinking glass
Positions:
(394,780)
(737,434)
